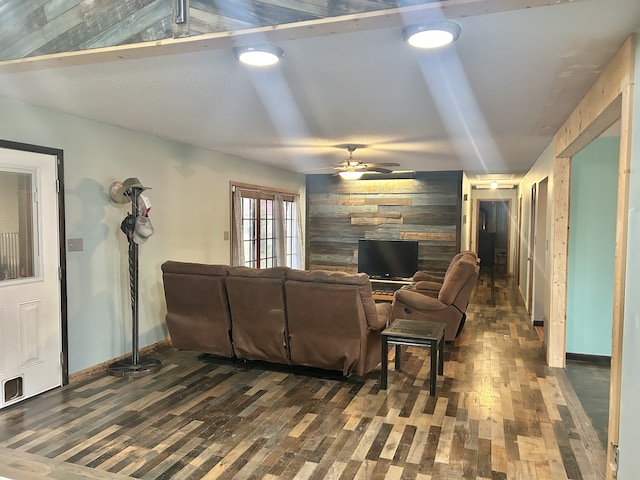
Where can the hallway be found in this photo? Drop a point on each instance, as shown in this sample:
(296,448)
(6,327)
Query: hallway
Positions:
(499,413)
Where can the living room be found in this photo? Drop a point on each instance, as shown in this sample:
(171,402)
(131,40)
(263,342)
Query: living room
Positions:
(190,198)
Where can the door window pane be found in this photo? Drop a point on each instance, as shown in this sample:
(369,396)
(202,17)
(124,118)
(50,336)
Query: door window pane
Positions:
(16,225)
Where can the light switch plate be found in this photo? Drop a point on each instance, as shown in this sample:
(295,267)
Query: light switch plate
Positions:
(75,245)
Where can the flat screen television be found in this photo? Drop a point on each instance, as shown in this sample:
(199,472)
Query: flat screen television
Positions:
(392,259)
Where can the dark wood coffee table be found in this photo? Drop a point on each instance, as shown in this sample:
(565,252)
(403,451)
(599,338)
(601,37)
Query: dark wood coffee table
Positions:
(415,333)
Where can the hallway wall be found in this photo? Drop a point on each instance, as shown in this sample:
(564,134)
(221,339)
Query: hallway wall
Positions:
(543,168)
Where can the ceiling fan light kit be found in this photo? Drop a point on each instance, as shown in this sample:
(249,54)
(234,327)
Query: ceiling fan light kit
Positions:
(263,55)
(431,35)
(351,175)
(352,169)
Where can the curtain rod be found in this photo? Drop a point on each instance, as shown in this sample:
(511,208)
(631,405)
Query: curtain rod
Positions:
(258,188)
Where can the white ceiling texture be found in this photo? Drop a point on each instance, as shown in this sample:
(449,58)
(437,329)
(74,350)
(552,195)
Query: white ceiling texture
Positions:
(489,104)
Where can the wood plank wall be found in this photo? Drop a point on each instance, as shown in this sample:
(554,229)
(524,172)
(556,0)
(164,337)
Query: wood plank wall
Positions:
(31,28)
(339,213)
(38,27)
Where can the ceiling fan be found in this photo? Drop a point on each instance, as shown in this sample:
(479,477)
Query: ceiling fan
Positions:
(352,169)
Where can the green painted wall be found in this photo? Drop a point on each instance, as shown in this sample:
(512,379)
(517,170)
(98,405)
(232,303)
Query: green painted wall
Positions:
(592,228)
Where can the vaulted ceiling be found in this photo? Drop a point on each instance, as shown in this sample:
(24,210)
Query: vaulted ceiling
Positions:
(489,104)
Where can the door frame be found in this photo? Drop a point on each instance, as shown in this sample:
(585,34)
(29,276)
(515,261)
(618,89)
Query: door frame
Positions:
(531,248)
(518,242)
(609,99)
(540,252)
(58,153)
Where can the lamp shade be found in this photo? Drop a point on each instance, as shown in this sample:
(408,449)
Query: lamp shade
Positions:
(431,35)
(259,55)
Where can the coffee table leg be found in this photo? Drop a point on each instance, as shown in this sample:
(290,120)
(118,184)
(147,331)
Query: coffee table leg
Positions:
(398,357)
(434,366)
(383,364)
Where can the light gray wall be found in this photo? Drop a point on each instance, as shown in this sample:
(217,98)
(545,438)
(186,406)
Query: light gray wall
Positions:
(630,390)
(190,213)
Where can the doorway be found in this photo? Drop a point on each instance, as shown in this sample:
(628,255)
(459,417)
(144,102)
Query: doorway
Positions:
(33,326)
(493,235)
(540,313)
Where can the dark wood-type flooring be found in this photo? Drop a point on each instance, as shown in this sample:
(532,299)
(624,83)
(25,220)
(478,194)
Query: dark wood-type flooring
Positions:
(499,413)
(591,383)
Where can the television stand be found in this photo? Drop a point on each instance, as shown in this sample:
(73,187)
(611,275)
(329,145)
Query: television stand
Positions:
(384,288)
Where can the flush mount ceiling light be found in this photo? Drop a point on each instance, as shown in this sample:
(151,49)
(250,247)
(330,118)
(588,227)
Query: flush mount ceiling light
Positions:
(494,185)
(259,55)
(431,35)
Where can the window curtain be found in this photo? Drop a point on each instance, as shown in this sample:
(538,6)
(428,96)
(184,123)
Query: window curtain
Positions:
(278,220)
(298,259)
(238,250)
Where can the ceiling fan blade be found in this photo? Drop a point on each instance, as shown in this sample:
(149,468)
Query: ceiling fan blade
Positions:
(319,169)
(377,169)
(387,164)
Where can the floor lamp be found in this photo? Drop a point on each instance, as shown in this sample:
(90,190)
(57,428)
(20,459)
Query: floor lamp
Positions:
(133,227)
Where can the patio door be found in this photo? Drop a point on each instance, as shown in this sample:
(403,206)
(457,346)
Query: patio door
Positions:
(30,300)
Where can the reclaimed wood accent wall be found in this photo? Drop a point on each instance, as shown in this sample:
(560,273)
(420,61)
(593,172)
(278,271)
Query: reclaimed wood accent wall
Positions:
(426,208)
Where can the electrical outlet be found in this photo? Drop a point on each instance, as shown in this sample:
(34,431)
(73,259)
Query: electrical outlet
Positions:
(75,245)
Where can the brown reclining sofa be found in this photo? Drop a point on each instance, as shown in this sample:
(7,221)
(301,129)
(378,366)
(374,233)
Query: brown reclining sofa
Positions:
(318,319)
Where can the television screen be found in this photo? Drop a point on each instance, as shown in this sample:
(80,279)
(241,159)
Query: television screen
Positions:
(388,258)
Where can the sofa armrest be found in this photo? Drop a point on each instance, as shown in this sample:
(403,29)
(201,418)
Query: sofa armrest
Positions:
(422,275)
(418,300)
(383,310)
(428,287)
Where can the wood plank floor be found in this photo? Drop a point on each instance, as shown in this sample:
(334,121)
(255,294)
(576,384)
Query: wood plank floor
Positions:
(499,413)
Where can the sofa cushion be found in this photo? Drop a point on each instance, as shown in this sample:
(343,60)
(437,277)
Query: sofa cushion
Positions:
(275,272)
(197,307)
(194,268)
(455,281)
(360,280)
(327,276)
(256,299)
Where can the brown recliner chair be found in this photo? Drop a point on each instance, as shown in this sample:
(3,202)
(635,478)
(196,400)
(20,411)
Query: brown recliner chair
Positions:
(197,307)
(257,304)
(334,322)
(423,275)
(448,307)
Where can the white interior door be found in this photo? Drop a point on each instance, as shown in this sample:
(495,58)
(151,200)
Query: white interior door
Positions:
(30,302)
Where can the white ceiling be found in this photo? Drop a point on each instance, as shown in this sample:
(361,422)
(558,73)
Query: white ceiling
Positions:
(489,105)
